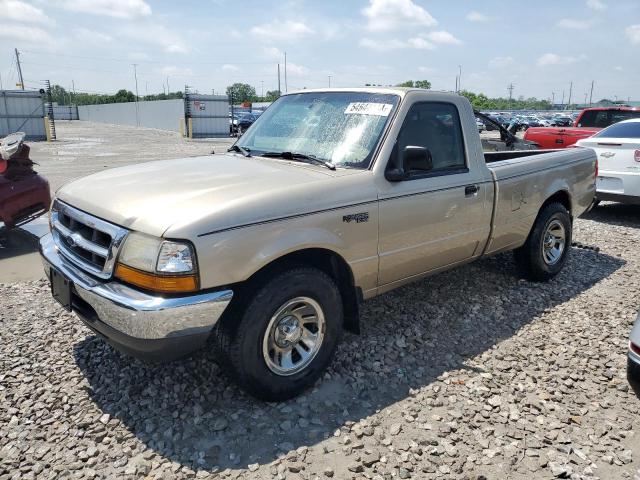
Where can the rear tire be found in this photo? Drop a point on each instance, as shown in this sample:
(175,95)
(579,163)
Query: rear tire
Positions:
(271,345)
(547,248)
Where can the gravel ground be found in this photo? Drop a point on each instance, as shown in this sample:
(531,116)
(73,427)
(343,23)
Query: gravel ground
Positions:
(469,374)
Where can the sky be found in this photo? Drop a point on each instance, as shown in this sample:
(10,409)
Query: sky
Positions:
(538,46)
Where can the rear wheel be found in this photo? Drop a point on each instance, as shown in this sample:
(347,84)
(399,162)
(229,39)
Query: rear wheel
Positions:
(546,250)
(281,342)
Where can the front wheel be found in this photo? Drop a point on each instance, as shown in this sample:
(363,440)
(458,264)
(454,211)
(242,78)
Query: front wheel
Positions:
(546,250)
(282,341)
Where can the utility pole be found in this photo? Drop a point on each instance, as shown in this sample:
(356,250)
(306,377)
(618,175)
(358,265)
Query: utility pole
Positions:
(1,82)
(562,99)
(510,88)
(168,91)
(73,86)
(591,94)
(286,89)
(146,89)
(262,90)
(329,81)
(279,91)
(19,68)
(459,77)
(135,75)
(585,99)
(570,90)
(553,99)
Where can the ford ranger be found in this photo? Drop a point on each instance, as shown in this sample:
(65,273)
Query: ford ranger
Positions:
(331,197)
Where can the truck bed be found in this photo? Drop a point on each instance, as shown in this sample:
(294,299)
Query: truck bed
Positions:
(490,157)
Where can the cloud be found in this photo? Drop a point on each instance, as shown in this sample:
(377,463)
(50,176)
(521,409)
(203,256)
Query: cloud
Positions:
(426,70)
(420,43)
(32,35)
(596,5)
(387,45)
(227,67)
(554,59)
(126,9)
(174,71)
(633,34)
(501,61)
(295,69)
(477,17)
(385,15)
(574,24)
(443,37)
(15,10)
(155,35)
(273,52)
(86,35)
(282,30)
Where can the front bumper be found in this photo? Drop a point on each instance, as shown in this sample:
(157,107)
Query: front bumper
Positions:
(144,325)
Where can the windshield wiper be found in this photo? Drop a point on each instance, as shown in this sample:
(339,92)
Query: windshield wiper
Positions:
(301,157)
(243,150)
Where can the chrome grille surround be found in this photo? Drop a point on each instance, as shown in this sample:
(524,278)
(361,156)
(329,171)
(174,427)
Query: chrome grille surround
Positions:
(87,241)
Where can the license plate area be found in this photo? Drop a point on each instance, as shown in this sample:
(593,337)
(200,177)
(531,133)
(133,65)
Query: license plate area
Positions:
(61,289)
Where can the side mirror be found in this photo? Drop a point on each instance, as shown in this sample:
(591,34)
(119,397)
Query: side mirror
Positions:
(412,158)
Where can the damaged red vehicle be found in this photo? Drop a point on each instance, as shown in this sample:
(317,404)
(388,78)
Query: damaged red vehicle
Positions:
(24,195)
(589,122)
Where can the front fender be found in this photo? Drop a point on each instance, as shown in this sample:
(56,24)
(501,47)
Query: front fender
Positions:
(235,255)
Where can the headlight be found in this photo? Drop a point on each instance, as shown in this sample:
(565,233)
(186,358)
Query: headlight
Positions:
(175,258)
(157,264)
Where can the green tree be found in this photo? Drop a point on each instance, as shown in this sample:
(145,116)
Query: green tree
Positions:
(415,84)
(272,96)
(241,92)
(123,95)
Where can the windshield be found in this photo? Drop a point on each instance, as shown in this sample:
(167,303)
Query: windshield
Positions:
(621,130)
(338,127)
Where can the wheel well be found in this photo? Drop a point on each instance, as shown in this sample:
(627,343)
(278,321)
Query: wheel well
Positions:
(562,197)
(330,263)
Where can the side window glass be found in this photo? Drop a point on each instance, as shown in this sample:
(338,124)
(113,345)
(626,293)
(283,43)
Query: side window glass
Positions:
(436,127)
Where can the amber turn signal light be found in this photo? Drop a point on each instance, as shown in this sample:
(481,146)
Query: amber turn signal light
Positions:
(155,282)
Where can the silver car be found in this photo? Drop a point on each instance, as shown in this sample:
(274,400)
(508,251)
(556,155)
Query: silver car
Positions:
(633,363)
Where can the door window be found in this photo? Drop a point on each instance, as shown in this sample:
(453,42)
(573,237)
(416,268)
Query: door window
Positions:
(436,127)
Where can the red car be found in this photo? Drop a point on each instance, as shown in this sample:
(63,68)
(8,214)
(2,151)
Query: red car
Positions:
(589,122)
(24,195)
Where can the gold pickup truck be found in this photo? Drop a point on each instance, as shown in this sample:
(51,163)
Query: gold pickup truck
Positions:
(330,198)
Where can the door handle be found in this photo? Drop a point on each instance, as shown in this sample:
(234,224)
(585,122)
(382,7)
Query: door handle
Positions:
(471,190)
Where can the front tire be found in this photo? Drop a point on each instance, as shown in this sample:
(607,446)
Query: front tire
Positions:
(547,248)
(281,341)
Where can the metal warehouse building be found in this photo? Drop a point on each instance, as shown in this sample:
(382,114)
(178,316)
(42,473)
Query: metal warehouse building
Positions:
(22,111)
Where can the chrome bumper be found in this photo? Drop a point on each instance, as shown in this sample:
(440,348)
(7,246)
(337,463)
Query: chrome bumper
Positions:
(133,313)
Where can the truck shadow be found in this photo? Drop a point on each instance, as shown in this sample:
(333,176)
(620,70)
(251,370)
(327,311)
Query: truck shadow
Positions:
(190,413)
(616,214)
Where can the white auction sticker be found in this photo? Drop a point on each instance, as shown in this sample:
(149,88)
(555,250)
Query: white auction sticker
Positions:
(368,108)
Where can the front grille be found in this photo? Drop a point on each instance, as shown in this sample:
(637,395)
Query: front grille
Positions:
(87,241)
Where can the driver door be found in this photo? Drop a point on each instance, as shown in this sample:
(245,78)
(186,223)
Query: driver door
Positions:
(439,215)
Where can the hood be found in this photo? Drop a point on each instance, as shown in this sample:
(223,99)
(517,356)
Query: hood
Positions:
(189,196)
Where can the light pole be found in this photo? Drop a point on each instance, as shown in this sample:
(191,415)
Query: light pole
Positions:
(135,75)
(329,81)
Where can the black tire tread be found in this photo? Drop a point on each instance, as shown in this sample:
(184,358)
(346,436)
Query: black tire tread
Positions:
(231,330)
(527,257)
